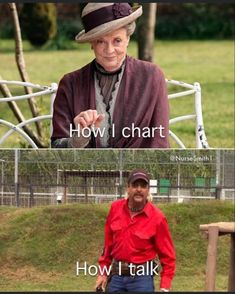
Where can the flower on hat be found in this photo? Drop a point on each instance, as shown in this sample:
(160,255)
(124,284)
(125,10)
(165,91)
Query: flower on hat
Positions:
(120,10)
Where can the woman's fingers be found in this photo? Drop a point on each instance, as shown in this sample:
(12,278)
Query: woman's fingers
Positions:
(88,118)
(99,120)
(80,122)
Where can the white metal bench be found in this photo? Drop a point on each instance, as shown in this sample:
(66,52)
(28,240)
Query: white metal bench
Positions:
(41,90)
(195,90)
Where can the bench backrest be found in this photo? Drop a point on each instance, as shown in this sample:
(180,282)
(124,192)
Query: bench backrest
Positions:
(191,90)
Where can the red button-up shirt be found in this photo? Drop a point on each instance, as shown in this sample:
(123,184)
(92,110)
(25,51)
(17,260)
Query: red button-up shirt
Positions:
(139,239)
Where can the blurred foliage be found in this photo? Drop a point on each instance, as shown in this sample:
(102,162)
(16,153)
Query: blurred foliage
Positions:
(43,164)
(174,21)
(38,22)
(66,31)
(195,21)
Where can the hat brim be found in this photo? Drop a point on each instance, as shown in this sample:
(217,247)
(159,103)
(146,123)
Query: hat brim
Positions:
(108,27)
(136,178)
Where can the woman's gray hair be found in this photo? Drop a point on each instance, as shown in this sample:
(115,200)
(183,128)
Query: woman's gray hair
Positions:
(130,28)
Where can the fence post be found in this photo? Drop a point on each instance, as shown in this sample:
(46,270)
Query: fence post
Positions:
(213,233)
(2,180)
(231,279)
(65,194)
(218,191)
(65,188)
(16,178)
(31,200)
(86,190)
(120,183)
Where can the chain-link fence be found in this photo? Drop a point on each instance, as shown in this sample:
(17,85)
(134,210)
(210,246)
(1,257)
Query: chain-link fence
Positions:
(49,177)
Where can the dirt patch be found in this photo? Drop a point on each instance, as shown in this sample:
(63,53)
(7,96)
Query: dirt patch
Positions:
(28,273)
(9,215)
(3,216)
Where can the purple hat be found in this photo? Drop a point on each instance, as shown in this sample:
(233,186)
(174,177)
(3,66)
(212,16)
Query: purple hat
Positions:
(100,19)
(138,174)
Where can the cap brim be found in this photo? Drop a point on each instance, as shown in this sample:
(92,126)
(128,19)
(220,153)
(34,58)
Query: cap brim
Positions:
(138,178)
(109,27)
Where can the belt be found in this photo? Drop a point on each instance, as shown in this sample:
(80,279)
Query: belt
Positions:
(130,269)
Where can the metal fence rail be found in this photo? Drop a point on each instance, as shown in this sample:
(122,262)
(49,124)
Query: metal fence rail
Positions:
(39,195)
(43,177)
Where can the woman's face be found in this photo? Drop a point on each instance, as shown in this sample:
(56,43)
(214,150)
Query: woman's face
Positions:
(110,50)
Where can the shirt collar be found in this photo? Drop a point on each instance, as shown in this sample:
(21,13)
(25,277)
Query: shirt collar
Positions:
(98,68)
(146,209)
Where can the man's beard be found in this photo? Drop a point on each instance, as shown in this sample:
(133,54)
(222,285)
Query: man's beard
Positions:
(135,206)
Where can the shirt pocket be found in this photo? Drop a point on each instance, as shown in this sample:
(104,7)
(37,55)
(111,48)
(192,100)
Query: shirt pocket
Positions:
(116,229)
(141,240)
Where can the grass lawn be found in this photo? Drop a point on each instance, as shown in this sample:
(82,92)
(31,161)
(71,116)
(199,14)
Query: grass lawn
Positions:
(39,247)
(209,62)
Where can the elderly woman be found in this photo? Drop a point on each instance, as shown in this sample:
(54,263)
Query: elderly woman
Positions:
(115,101)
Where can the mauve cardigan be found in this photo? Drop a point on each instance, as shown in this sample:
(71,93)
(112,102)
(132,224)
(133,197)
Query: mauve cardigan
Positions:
(141,99)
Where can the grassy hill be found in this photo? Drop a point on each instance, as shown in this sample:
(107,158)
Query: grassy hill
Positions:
(39,247)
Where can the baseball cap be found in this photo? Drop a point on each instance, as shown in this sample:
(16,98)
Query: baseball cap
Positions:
(138,174)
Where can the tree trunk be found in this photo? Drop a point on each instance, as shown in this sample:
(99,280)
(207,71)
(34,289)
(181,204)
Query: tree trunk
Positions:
(21,65)
(145,33)
(18,114)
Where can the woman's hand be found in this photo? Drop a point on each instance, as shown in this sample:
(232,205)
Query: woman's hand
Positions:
(88,118)
(85,119)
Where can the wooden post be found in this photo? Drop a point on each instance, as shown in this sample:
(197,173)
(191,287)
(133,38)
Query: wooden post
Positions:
(213,233)
(231,278)
(214,230)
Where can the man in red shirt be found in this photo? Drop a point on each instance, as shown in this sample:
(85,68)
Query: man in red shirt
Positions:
(136,232)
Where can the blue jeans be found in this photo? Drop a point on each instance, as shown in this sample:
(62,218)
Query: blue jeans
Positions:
(143,283)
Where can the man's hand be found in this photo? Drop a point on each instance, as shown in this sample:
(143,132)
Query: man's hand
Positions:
(164,290)
(101,282)
(88,118)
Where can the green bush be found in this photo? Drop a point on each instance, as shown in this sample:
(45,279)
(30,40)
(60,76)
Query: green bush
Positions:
(65,37)
(69,29)
(38,22)
(7,31)
(195,21)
